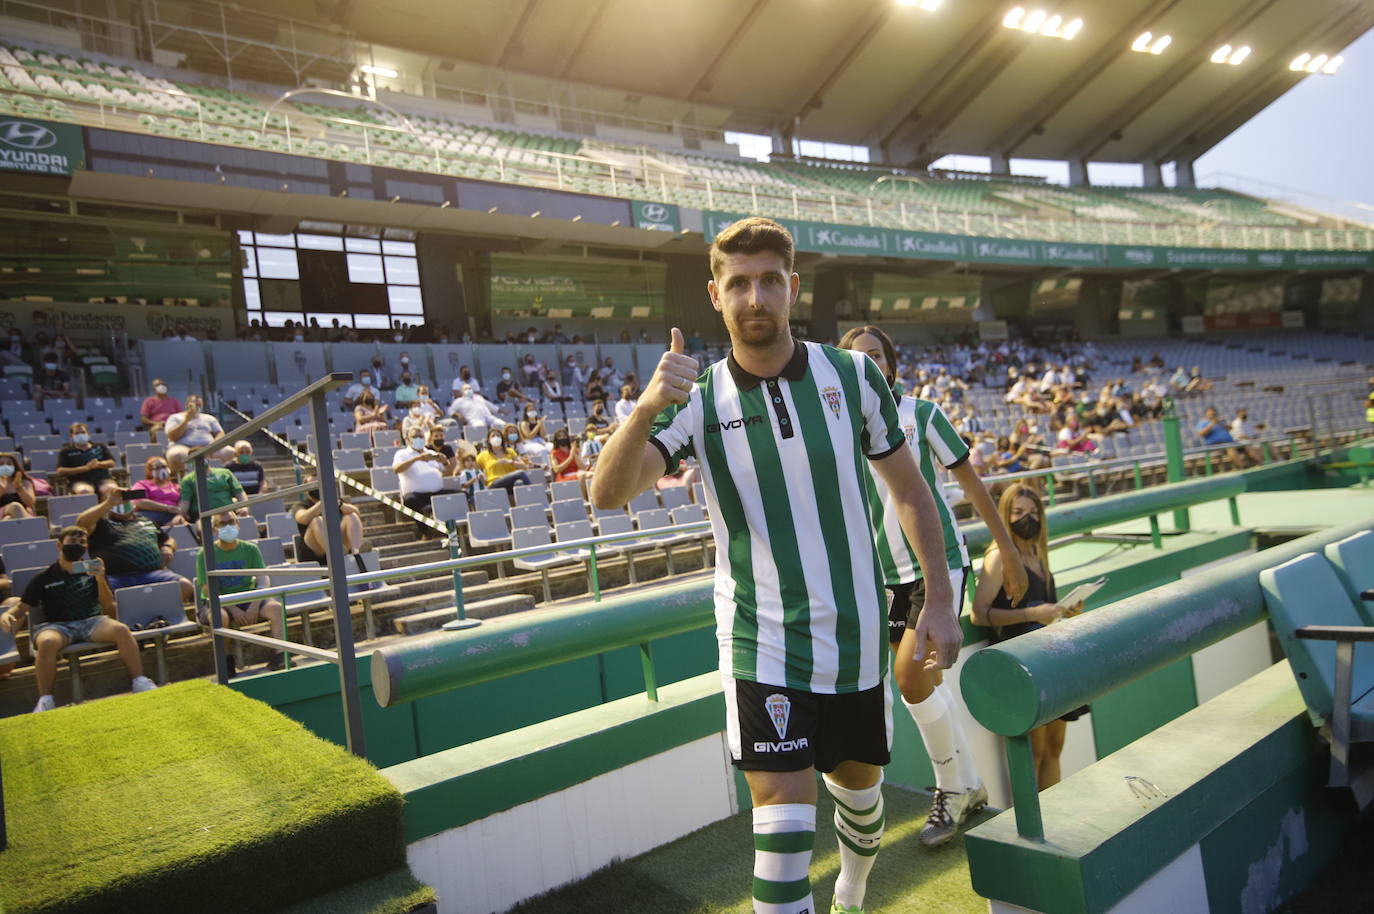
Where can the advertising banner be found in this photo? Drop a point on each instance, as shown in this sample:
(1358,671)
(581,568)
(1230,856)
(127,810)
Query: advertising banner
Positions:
(85,321)
(40,147)
(883,242)
(658,217)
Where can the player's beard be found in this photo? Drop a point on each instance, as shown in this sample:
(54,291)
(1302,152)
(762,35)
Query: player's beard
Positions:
(755,330)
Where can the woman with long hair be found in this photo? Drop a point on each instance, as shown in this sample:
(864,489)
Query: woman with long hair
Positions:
(17,497)
(1023,512)
(959,790)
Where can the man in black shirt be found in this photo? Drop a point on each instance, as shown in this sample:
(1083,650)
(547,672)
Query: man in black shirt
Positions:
(134,549)
(246,470)
(84,464)
(76,605)
(49,380)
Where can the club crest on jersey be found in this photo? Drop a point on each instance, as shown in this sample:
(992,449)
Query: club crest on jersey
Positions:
(779,710)
(910,434)
(831,396)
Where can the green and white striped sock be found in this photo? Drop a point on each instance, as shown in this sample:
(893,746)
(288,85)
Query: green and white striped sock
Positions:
(784,835)
(859,824)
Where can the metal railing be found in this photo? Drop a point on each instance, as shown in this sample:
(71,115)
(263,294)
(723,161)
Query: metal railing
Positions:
(344,656)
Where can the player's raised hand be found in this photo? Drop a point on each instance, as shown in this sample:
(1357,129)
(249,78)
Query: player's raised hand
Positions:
(673,378)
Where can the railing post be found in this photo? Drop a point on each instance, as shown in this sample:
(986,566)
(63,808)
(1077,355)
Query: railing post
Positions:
(1173,451)
(1049,488)
(1025,788)
(207,538)
(4,836)
(646,657)
(338,579)
(594,574)
(1092,483)
(1206,463)
(1135,468)
(1235,511)
(1156,539)
(462,621)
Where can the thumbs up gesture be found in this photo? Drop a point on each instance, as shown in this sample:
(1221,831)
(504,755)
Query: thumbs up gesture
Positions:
(673,379)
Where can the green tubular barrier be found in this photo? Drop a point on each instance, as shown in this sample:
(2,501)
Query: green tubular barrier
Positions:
(1024,683)
(439,663)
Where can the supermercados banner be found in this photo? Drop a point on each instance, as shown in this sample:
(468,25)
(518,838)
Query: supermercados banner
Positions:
(883,242)
(99,320)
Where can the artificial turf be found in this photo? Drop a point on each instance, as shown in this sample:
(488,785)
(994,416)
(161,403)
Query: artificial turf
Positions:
(397,892)
(190,798)
(710,870)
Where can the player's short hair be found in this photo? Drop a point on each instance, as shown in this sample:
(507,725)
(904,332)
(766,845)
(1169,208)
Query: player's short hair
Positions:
(753,235)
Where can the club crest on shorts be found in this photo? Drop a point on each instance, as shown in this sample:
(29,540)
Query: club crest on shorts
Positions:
(831,396)
(779,710)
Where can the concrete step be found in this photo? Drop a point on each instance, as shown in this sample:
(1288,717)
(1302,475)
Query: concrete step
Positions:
(432,619)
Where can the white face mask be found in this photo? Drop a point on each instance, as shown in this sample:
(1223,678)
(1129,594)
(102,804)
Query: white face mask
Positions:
(405,360)
(299,338)
(398,337)
(160,389)
(495,442)
(6,470)
(505,376)
(417,443)
(416,411)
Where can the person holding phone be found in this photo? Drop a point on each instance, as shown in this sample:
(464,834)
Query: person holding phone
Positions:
(134,549)
(1023,512)
(77,605)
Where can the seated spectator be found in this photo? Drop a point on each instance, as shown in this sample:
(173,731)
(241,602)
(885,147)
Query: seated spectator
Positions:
(16,351)
(251,475)
(77,605)
(17,497)
(134,549)
(158,408)
(1073,438)
(472,409)
(504,468)
(1197,383)
(427,405)
(1243,430)
(564,459)
(597,419)
(84,464)
(531,373)
(407,392)
(438,443)
(1212,431)
(465,379)
(508,390)
(403,365)
(421,475)
(533,443)
(383,380)
(356,390)
(1178,382)
(595,390)
(415,421)
(187,430)
(50,381)
(551,389)
(369,415)
(221,486)
(471,478)
(609,376)
(626,404)
(158,493)
(590,450)
(308,514)
(233,553)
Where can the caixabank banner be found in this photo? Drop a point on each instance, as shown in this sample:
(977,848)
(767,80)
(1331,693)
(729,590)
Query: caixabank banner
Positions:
(40,147)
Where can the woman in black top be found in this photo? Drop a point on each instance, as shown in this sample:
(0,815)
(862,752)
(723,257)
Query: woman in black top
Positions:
(1024,514)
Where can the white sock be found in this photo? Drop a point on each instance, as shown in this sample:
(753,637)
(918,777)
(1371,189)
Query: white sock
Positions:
(963,756)
(784,835)
(859,822)
(937,732)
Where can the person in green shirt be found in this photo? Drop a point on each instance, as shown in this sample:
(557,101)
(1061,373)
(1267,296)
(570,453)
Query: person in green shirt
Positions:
(222,486)
(233,553)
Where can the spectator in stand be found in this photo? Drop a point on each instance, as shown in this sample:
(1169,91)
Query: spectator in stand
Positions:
(1073,438)
(421,475)
(502,466)
(626,404)
(438,443)
(1212,431)
(17,497)
(695,344)
(221,486)
(383,380)
(563,459)
(609,376)
(595,391)
(308,514)
(231,553)
(158,408)
(187,430)
(135,550)
(84,464)
(50,381)
(427,405)
(1197,384)
(369,415)
(474,410)
(1178,382)
(508,390)
(531,373)
(159,496)
(471,478)
(250,474)
(416,421)
(598,420)
(533,441)
(1243,430)
(465,379)
(590,450)
(551,389)
(182,334)
(16,351)
(407,392)
(403,364)
(77,604)
(364,384)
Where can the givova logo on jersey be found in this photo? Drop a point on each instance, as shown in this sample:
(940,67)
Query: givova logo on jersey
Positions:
(779,709)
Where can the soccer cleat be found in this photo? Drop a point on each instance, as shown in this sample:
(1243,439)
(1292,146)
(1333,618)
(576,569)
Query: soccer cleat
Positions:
(143,684)
(837,908)
(948,811)
(45,703)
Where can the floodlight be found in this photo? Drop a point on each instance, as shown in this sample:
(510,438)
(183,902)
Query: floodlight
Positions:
(1333,65)
(1012,20)
(1221,53)
(1142,42)
(1161,43)
(929,6)
(1072,29)
(1051,27)
(1034,21)
(1316,63)
(384,72)
(1239,55)
(1300,62)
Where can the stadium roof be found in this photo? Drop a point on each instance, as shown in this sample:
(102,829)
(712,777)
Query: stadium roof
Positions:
(921,83)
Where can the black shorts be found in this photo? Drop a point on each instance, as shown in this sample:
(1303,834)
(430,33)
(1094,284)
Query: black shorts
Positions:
(907,600)
(774,728)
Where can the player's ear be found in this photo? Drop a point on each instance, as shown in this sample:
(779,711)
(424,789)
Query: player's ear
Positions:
(713,291)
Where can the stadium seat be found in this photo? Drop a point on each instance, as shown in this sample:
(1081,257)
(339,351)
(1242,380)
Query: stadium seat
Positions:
(528,537)
(1353,560)
(528,516)
(36,554)
(569,510)
(151,605)
(491,500)
(488,528)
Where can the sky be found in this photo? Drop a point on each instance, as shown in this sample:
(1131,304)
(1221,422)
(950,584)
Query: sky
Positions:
(1311,145)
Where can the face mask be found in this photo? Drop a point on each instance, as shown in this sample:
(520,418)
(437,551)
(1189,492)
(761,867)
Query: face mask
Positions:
(299,338)
(417,443)
(495,443)
(244,458)
(160,389)
(505,375)
(405,360)
(73,552)
(367,382)
(51,366)
(81,438)
(512,437)
(124,509)
(1028,527)
(229,534)
(161,473)
(398,337)
(6,470)
(529,414)
(416,411)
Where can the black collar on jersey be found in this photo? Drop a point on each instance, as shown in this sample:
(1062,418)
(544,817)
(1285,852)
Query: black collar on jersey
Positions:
(794,370)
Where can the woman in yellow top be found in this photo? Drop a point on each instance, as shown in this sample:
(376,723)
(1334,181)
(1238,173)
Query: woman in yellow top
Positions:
(504,468)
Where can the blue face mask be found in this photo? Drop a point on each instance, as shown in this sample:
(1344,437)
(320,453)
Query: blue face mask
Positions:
(229,534)
(81,438)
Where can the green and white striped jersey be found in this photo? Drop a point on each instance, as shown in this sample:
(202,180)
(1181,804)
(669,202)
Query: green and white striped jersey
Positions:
(798,587)
(932,437)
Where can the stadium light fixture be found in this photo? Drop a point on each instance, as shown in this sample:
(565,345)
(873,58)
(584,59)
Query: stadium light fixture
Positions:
(1322,63)
(1042,22)
(1238,56)
(1221,53)
(929,6)
(1012,20)
(1142,42)
(1333,65)
(1162,42)
(1234,56)
(1149,43)
(384,72)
